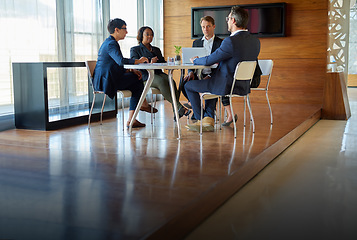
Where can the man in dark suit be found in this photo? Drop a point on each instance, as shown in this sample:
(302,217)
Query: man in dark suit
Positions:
(110,75)
(210,42)
(240,46)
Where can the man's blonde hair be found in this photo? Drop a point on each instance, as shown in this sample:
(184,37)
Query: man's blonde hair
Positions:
(208,19)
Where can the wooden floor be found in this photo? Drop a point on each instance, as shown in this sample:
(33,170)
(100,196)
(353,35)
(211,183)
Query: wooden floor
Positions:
(103,184)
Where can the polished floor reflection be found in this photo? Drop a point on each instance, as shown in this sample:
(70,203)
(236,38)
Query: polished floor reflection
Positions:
(101,183)
(308,192)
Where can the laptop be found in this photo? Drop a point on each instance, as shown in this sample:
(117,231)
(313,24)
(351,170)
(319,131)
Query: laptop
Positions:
(188,53)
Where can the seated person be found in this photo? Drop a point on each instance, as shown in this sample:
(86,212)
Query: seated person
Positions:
(239,46)
(110,75)
(210,42)
(153,54)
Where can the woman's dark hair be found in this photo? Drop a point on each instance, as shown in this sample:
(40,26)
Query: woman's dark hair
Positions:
(141,31)
(115,23)
(241,16)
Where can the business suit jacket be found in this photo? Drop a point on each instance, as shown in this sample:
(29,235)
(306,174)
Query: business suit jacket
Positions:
(216,44)
(109,70)
(141,51)
(237,48)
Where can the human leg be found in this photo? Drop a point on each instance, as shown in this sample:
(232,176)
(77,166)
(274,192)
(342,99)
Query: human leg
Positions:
(227,108)
(193,88)
(136,87)
(161,82)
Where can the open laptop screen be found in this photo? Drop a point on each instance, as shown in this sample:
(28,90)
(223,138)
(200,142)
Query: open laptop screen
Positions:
(188,53)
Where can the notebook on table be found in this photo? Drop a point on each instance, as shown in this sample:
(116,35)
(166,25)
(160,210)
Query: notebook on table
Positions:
(188,53)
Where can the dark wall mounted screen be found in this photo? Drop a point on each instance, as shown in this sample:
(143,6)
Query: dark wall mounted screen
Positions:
(265,20)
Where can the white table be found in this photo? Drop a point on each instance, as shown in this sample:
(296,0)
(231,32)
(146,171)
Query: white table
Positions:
(150,67)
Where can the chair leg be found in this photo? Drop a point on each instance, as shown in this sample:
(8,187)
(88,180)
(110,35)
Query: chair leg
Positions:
(250,111)
(271,113)
(101,112)
(91,110)
(245,103)
(151,110)
(155,105)
(122,108)
(220,112)
(234,122)
(201,115)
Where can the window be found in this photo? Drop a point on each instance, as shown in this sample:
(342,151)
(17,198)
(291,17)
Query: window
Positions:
(30,35)
(147,12)
(65,30)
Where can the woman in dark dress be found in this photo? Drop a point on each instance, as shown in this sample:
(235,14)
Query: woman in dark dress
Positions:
(154,55)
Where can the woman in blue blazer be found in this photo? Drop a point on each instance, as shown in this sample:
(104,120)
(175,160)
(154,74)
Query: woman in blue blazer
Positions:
(154,55)
(110,75)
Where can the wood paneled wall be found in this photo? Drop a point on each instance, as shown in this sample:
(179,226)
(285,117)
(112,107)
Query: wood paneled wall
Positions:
(299,58)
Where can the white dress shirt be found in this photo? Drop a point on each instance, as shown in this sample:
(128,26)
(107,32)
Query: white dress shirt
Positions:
(238,31)
(207,44)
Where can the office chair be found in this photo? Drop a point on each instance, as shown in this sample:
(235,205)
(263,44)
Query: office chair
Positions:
(123,93)
(267,67)
(244,71)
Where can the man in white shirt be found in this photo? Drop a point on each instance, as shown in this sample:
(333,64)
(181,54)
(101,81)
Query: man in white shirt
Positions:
(210,42)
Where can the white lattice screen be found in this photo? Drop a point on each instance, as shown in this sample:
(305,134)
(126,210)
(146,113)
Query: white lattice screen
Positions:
(337,52)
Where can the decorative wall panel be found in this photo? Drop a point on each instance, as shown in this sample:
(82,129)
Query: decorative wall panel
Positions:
(337,51)
(352,66)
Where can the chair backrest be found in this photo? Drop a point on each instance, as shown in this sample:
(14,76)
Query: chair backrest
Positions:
(266,65)
(90,67)
(244,71)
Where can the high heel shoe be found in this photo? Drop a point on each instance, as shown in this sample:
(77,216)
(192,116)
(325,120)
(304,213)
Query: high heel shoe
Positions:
(227,124)
(183,112)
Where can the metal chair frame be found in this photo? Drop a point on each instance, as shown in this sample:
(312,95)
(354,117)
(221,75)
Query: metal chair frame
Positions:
(123,93)
(266,65)
(244,71)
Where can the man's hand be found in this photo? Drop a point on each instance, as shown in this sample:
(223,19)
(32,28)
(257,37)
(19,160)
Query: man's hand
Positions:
(193,59)
(190,76)
(154,60)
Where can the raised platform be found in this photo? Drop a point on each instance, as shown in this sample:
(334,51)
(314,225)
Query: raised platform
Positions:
(102,183)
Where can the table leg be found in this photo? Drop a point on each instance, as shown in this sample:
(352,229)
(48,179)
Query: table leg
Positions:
(174,102)
(142,98)
(181,85)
